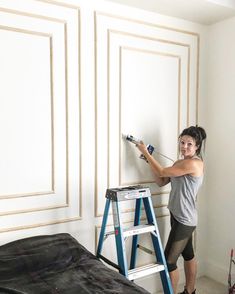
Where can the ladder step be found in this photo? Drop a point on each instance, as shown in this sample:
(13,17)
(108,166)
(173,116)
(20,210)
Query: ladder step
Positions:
(137,230)
(143,271)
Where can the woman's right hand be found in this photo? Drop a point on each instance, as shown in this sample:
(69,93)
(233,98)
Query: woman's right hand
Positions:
(142,148)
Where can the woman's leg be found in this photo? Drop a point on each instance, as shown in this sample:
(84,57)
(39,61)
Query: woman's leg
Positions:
(174,275)
(190,266)
(177,242)
(190,269)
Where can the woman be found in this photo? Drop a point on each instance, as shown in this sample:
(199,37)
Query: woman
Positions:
(186,177)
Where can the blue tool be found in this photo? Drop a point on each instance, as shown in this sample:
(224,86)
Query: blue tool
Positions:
(150,148)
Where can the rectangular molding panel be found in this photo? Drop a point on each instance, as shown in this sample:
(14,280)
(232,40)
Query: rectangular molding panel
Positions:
(146,86)
(40,114)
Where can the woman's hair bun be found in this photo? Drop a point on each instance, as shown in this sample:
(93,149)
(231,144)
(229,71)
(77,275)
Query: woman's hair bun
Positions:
(202,132)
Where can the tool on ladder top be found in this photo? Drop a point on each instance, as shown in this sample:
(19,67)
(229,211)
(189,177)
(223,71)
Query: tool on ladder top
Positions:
(141,195)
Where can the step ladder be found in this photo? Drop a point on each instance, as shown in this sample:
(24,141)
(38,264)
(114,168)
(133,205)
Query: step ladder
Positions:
(141,195)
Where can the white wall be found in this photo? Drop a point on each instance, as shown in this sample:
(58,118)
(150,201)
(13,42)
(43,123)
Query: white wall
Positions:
(220,122)
(104,70)
(201,232)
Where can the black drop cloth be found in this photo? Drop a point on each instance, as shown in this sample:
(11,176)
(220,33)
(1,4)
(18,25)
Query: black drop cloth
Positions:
(57,264)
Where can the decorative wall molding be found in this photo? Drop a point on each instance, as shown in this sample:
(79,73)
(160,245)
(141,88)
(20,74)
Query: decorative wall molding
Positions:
(163,55)
(58,23)
(109,26)
(49,38)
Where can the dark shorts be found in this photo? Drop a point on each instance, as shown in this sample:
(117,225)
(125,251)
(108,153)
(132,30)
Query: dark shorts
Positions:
(179,242)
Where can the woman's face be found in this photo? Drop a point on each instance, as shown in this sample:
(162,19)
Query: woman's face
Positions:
(187,146)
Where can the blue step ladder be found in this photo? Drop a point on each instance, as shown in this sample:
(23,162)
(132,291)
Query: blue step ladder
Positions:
(141,195)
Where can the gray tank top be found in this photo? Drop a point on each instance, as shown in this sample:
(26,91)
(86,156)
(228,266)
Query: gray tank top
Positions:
(182,200)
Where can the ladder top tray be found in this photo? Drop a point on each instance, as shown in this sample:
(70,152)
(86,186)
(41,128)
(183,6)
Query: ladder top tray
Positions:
(127,193)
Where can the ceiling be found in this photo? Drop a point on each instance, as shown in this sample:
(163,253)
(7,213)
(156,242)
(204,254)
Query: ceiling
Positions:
(205,12)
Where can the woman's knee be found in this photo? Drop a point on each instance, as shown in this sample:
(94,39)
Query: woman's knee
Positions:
(187,256)
(188,253)
(171,267)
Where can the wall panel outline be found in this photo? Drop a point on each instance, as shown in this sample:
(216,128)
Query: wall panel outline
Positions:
(68,201)
(38,33)
(163,54)
(186,44)
(166,28)
(50,37)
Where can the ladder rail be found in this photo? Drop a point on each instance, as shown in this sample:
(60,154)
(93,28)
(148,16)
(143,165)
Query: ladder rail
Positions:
(119,238)
(165,277)
(136,237)
(103,226)
(152,219)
